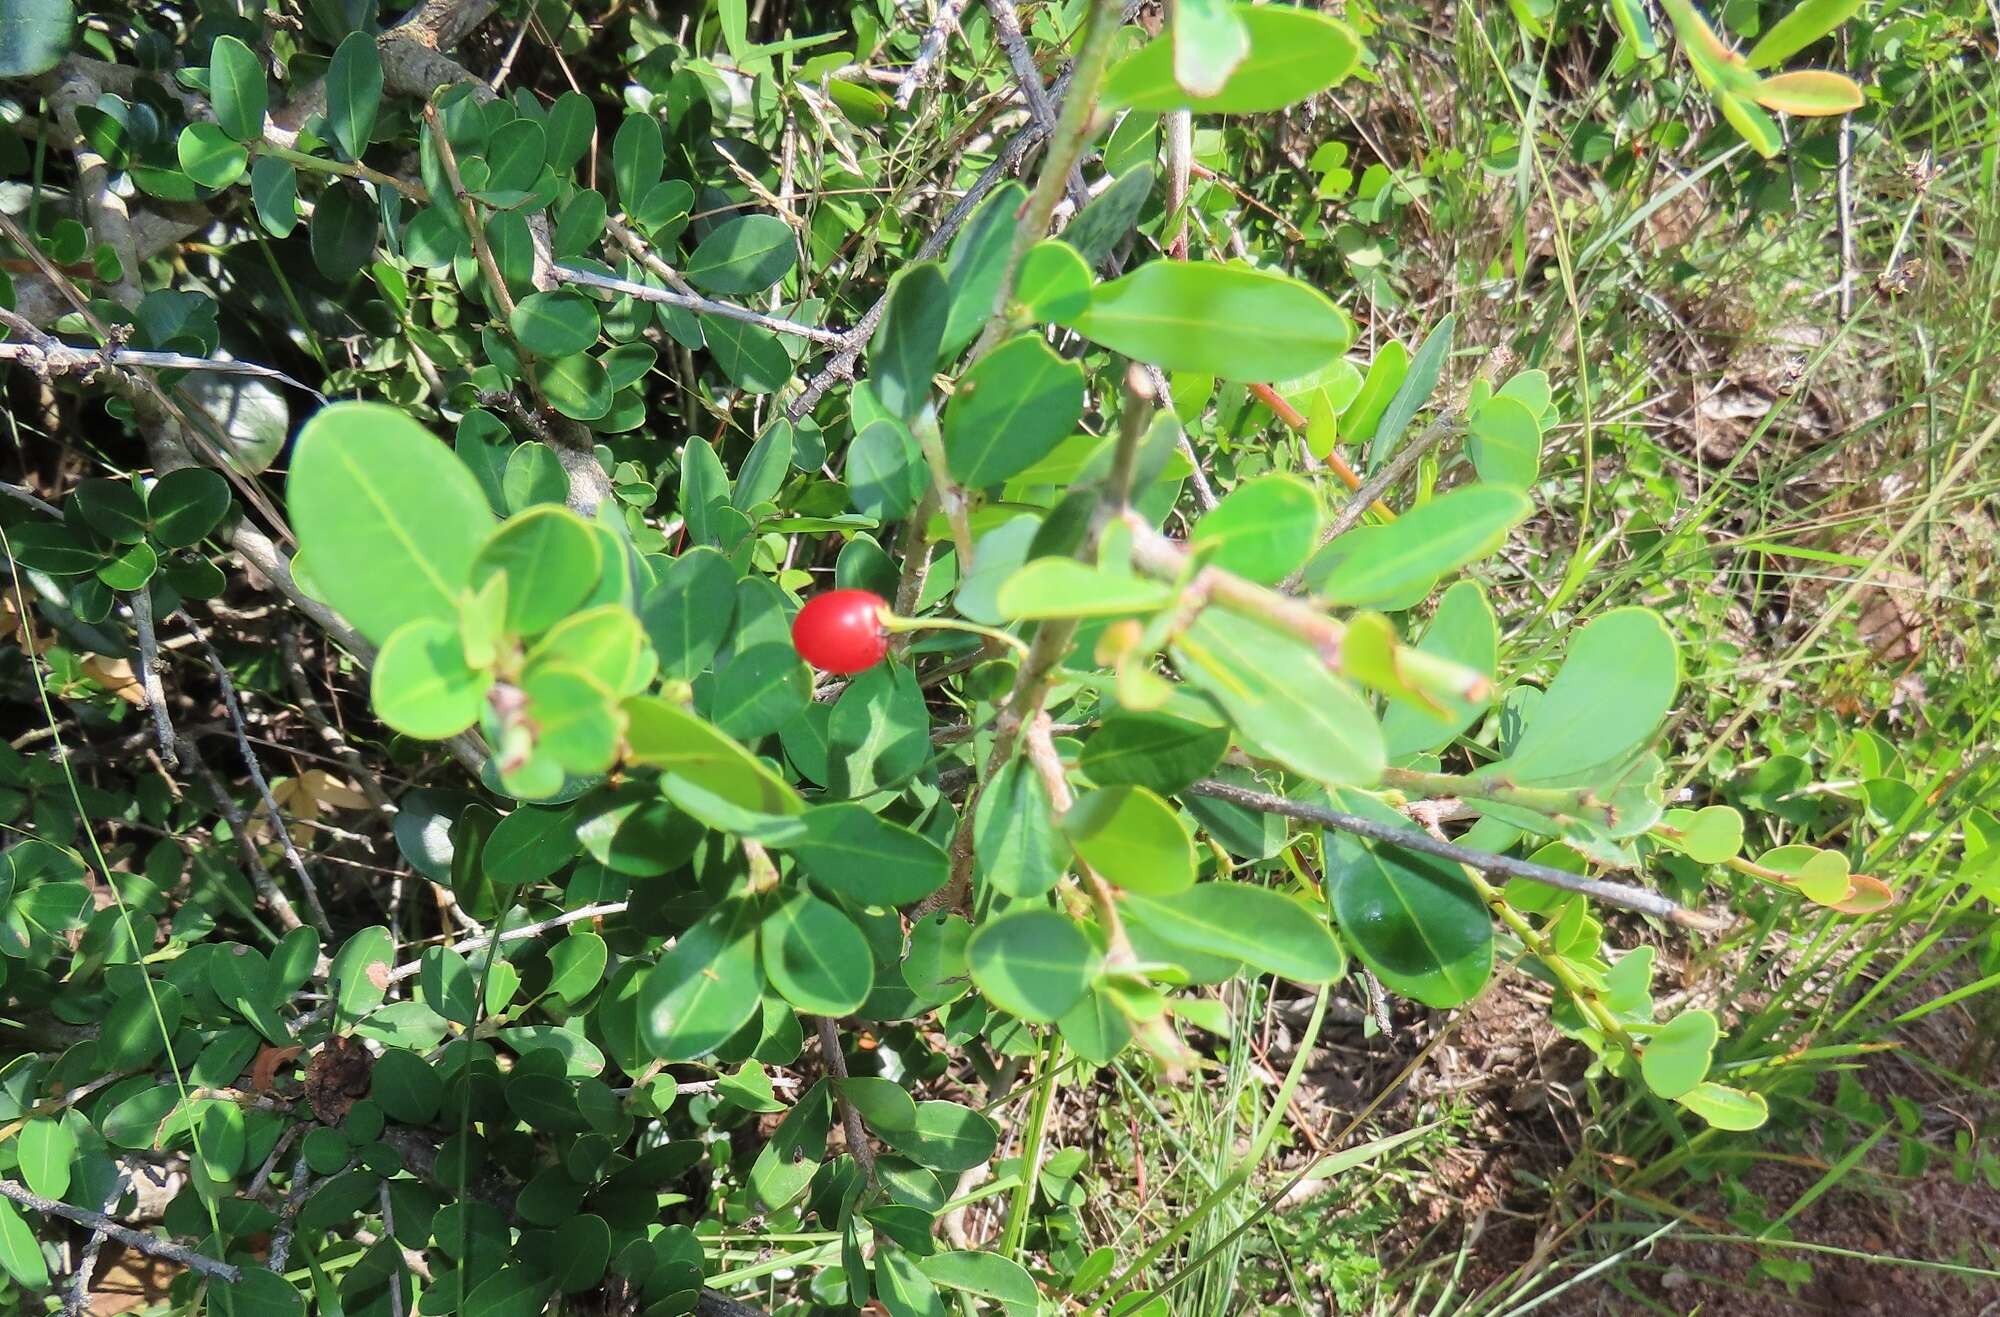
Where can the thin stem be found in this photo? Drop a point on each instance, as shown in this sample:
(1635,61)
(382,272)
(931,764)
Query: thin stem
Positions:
(1032,1142)
(850,1119)
(124,1234)
(484,940)
(909,625)
(149,675)
(1289,414)
(346,169)
(1409,839)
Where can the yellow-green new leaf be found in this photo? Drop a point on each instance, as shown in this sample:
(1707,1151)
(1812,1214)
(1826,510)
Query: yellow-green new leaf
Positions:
(1812,92)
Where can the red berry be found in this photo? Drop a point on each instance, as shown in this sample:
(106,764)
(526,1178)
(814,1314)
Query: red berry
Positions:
(841,631)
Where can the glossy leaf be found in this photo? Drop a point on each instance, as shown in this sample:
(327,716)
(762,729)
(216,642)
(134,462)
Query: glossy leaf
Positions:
(1462,631)
(1229,321)
(1031,963)
(1809,92)
(1293,54)
(1379,564)
(815,956)
(1726,1108)
(1262,531)
(905,349)
(236,89)
(743,255)
(868,859)
(1807,21)
(1015,845)
(1412,918)
(1262,928)
(1132,838)
(373,492)
(353,92)
(1607,700)
(422,685)
(704,988)
(1010,411)
(1282,699)
(1675,1060)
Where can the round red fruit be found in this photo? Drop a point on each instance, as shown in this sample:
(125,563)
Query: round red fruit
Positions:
(841,631)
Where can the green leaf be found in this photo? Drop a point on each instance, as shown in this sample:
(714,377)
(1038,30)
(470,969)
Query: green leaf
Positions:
(604,641)
(704,988)
(1010,411)
(1229,321)
(1712,835)
(129,567)
(185,505)
(1413,918)
(663,736)
(423,687)
(112,508)
(236,89)
(1262,928)
(130,1036)
(575,717)
(372,492)
(1210,40)
(815,957)
(1606,702)
(53,547)
(868,859)
(752,357)
(20,1254)
(551,559)
(1726,1108)
(1808,92)
(1504,440)
(1363,416)
(46,1148)
(507,1292)
(637,155)
(903,1289)
(209,156)
(1294,54)
(1032,963)
(1418,382)
(274,187)
(759,690)
(34,36)
(359,976)
(1282,698)
(555,324)
(1462,631)
(1380,564)
(978,257)
(1133,838)
(577,385)
(1054,283)
(1064,587)
(582,1250)
(944,1136)
(988,1275)
(1153,750)
(744,255)
(345,225)
(905,351)
(1016,848)
(688,614)
(1262,530)
(1676,1059)
(353,93)
(1751,123)
(1808,21)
